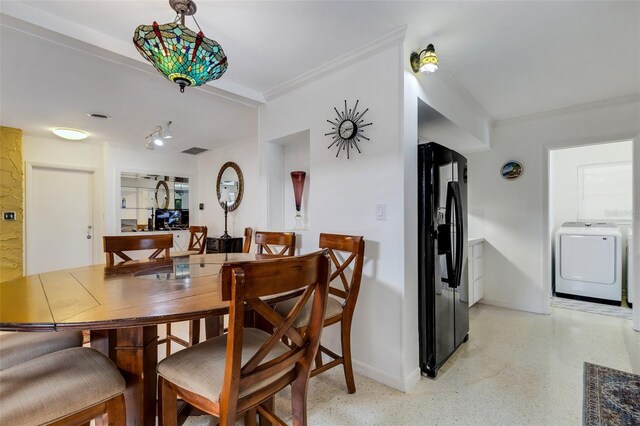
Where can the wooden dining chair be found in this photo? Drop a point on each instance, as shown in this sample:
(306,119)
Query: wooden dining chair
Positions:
(197,242)
(19,347)
(68,387)
(118,244)
(278,243)
(341,303)
(197,245)
(240,372)
(248,233)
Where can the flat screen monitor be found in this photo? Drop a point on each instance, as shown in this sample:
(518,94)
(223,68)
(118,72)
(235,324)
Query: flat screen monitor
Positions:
(166,219)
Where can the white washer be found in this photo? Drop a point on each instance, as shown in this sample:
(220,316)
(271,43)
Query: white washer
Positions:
(630,282)
(589,260)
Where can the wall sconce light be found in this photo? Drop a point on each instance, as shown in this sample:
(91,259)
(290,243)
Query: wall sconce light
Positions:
(157,137)
(425,61)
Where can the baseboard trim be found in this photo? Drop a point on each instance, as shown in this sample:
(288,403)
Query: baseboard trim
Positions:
(509,305)
(380,376)
(412,380)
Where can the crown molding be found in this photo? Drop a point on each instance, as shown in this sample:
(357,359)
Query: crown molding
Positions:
(394,37)
(620,100)
(30,20)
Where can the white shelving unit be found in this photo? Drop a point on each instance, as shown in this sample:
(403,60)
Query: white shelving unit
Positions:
(476,287)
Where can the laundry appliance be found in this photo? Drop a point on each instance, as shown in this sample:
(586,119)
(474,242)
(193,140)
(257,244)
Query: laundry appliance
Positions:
(589,261)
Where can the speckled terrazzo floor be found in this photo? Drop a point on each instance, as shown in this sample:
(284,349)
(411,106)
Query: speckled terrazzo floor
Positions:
(517,369)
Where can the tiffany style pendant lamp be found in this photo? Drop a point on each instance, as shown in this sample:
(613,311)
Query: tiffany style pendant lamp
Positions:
(183,56)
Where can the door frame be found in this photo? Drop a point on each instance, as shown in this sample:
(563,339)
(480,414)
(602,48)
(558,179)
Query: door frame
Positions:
(97,204)
(547,226)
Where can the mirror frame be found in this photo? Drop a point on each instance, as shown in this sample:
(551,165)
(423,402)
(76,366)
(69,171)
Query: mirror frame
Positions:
(166,198)
(236,168)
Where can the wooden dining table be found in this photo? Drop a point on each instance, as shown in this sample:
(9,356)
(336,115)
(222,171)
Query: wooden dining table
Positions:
(122,306)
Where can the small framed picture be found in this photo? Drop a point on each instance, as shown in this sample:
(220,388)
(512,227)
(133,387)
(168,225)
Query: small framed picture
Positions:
(511,170)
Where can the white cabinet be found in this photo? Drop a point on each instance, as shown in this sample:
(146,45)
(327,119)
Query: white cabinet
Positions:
(476,288)
(180,240)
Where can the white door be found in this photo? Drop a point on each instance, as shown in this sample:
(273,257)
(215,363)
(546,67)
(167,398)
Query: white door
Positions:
(60,218)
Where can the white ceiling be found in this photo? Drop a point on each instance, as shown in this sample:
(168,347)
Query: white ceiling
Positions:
(516,58)
(46,84)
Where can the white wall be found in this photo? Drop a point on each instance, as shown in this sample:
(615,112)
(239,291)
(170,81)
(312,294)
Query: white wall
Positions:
(636,230)
(345,194)
(245,155)
(142,160)
(110,162)
(467,120)
(516,227)
(563,174)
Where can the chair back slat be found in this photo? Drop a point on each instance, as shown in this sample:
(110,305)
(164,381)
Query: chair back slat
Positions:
(248,233)
(119,244)
(267,242)
(275,366)
(198,238)
(354,246)
(244,283)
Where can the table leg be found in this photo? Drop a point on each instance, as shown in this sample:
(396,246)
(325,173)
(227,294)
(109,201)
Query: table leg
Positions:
(214,326)
(135,352)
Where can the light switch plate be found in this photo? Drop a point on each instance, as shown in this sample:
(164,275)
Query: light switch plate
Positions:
(8,215)
(381,212)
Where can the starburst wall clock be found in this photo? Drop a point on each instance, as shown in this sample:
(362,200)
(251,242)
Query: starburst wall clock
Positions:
(348,129)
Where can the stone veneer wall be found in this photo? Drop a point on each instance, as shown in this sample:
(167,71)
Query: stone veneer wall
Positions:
(11,197)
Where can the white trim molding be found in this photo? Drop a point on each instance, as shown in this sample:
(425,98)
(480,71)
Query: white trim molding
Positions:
(394,37)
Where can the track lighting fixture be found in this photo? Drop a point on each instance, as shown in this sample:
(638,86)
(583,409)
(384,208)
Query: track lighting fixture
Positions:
(159,134)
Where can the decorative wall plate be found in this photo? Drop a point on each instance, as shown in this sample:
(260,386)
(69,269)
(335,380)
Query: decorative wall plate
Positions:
(511,170)
(347,129)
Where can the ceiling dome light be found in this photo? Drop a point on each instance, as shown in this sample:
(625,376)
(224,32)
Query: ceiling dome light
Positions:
(425,61)
(70,134)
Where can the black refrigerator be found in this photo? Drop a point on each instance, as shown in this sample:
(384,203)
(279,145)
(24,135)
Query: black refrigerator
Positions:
(442,255)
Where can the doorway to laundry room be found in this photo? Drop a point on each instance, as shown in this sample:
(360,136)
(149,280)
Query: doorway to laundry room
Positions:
(590,218)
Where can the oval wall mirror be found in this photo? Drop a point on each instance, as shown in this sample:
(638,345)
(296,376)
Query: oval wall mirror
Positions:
(162,195)
(229,186)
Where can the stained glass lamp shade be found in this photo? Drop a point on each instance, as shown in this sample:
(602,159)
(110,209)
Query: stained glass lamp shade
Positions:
(181,55)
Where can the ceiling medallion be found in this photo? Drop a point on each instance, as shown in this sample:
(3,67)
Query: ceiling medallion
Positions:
(183,56)
(347,129)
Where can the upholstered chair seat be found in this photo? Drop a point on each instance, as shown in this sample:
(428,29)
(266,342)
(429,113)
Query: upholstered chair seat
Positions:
(16,348)
(334,307)
(57,385)
(200,368)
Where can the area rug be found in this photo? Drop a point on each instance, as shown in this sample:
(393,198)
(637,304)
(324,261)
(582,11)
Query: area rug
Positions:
(611,397)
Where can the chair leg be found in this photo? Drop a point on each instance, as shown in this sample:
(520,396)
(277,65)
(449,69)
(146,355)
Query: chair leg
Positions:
(318,360)
(168,341)
(299,401)
(167,404)
(116,412)
(250,417)
(194,332)
(269,404)
(345,333)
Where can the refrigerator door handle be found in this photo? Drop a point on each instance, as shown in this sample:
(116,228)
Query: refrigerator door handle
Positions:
(446,235)
(455,189)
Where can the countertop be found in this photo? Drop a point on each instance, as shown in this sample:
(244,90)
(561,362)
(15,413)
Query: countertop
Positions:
(474,241)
